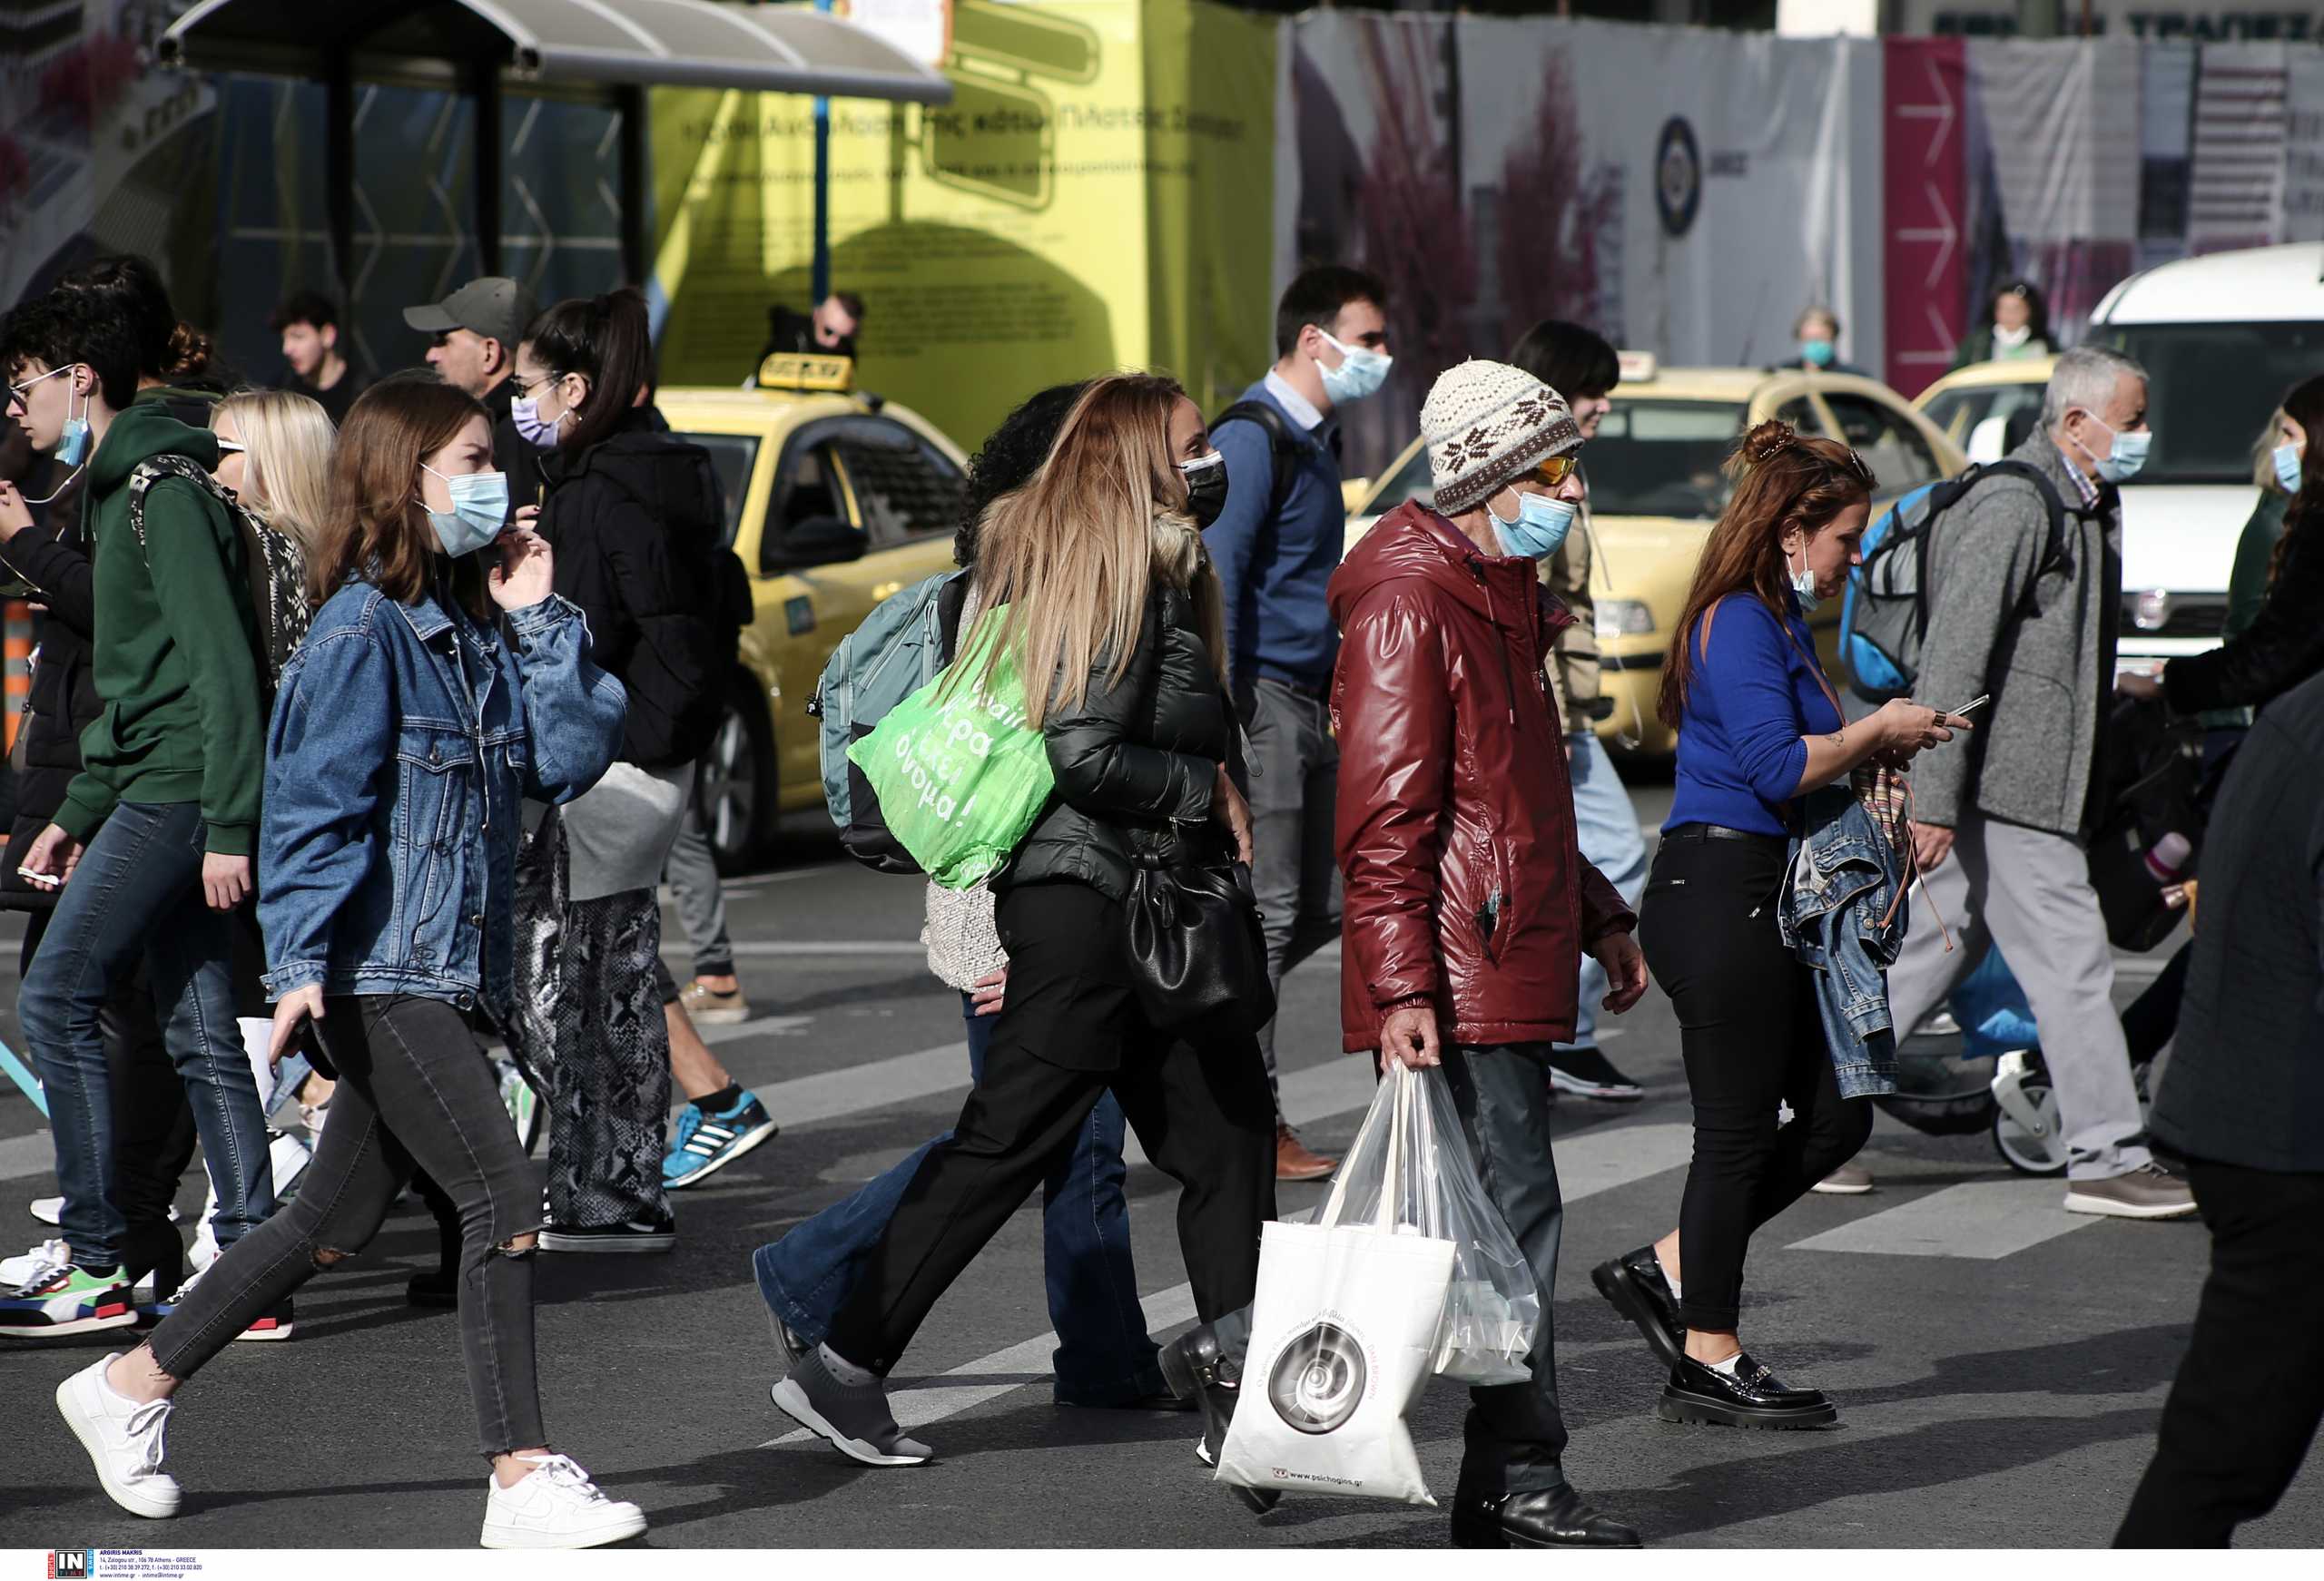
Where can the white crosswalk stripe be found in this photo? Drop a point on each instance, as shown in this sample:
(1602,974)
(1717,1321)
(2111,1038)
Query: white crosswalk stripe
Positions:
(1987,1220)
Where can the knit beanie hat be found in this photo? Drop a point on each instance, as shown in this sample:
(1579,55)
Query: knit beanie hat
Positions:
(1488,424)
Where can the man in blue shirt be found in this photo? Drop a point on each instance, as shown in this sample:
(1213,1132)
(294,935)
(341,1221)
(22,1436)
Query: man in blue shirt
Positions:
(1276,544)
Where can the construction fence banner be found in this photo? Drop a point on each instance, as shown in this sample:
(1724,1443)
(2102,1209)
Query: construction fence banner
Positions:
(1683,190)
(1098,195)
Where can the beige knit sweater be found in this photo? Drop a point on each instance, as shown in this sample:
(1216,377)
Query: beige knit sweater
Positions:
(963,945)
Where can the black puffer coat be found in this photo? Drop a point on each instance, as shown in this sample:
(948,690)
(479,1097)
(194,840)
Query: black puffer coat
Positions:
(63,700)
(1137,763)
(638,526)
(2281,649)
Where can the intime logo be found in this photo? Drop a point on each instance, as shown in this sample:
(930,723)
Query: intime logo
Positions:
(72,1563)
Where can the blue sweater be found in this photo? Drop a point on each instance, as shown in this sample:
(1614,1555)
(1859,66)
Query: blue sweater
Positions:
(1751,698)
(1273,569)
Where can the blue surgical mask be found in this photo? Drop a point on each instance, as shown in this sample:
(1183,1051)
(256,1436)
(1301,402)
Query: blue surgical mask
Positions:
(2124,457)
(479,510)
(1803,583)
(1818,353)
(1542,522)
(1361,370)
(2287,458)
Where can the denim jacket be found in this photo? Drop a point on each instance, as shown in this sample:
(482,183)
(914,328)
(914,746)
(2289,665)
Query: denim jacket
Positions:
(402,740)
(1843,913)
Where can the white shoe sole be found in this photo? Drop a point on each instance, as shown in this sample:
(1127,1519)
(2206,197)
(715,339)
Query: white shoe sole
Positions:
(743,1143)
(266,1336)
(77,1326)
(726,1018)
(612,1531)
(1842,1191)
(792,1400)
(1581,1089)
(129,1498)
(2107,1207)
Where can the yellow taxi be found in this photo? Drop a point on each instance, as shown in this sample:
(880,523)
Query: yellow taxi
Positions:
(1656,488)
(1987,408)
(834,499)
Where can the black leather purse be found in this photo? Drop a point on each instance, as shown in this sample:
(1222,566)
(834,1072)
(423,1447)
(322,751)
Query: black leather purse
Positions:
(1194,946)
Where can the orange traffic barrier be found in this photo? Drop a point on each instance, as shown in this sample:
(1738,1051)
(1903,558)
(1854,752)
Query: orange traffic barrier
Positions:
(19,650)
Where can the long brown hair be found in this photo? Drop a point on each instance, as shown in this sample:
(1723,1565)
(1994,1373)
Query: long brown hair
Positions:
(378,528)
(1065,563)
(1782,480)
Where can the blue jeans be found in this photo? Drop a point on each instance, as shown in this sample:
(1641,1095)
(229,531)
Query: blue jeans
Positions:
(1102,1355)
(1606,827)
(139,889)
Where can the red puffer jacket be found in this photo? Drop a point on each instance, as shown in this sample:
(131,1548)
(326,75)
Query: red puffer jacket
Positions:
(1465,889)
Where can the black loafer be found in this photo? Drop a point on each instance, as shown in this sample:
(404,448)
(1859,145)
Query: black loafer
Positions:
(1557,1518)
(1752,1398)
(1197,1370)
(1634,1283)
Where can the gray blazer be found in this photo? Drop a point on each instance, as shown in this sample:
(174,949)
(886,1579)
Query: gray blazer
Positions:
(2050,672)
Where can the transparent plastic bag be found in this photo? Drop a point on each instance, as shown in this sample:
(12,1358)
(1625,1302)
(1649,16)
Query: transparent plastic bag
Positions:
(1409,1168)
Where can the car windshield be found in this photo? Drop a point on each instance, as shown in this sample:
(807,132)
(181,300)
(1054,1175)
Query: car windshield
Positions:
(2214,385)
(1662,457)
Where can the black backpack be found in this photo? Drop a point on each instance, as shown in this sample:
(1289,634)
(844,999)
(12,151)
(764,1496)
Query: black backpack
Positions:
(1281,445)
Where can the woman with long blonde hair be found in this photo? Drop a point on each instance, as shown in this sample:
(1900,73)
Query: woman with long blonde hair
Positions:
(274,452)
(1094,580)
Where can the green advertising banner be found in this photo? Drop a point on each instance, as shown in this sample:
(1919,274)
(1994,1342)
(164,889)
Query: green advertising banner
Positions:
(1098,195)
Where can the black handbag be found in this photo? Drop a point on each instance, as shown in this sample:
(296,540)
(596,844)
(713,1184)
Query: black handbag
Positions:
(1194,946)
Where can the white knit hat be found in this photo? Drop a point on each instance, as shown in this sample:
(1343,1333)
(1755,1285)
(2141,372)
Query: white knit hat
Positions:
(1487,424)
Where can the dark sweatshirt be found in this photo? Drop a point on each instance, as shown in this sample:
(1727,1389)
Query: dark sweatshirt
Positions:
(175,652)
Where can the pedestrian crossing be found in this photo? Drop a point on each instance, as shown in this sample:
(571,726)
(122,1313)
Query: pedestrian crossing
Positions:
(1986,1219)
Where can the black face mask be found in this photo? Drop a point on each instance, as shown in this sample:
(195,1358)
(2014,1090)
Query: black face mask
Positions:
(1206,487)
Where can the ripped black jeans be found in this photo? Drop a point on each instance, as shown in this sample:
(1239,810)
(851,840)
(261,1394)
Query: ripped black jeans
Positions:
(415,1091)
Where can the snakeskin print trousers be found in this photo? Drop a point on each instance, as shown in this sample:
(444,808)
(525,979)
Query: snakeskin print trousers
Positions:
(589,1035)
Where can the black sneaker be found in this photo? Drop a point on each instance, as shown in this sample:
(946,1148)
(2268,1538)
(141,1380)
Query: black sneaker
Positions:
(1587,1073)
(637,1235)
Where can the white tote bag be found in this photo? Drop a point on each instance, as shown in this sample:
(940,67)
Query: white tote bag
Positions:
(1344,1338)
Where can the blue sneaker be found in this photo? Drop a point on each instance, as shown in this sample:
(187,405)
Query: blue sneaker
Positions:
(706,1143)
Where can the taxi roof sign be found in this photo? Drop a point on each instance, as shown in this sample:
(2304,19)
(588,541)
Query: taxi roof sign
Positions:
(796,370)
(1637,367)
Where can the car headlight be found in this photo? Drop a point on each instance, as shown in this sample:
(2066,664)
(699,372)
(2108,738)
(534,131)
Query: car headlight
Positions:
(1624,617)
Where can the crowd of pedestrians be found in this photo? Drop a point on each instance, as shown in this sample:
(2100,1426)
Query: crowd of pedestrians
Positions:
(363,733)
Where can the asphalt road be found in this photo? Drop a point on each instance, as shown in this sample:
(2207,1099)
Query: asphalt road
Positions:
(2000,1365)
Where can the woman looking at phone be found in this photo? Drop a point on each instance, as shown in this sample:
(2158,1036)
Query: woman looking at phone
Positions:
(439,683)
(1759,727)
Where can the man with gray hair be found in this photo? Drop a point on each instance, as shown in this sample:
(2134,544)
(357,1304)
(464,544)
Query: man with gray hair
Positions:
(2001,828)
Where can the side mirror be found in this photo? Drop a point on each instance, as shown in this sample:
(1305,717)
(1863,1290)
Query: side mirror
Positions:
(1353,492)
(815,541)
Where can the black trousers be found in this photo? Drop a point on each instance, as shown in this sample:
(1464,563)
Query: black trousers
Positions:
(1751,1038)
(153,1136)
(1069,1029)
(2248,1395)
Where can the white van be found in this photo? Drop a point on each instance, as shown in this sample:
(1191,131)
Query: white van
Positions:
(2224,338)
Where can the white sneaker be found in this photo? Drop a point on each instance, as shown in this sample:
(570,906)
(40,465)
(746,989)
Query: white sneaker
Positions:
(124,1440)
(15,1270)
(555,1507)
(47,1210)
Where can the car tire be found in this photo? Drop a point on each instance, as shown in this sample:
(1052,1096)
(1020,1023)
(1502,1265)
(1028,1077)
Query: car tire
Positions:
(734,782)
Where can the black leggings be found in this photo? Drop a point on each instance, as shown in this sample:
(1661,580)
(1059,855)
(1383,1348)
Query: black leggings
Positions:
(1752,1039)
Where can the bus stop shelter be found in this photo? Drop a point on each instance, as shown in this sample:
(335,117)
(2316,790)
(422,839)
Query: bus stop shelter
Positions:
(606,51)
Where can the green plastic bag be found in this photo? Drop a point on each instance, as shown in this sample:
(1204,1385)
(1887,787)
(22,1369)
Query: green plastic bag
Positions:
(960,778)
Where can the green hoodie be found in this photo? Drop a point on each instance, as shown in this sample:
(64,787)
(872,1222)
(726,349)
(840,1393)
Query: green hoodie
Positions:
(177,672)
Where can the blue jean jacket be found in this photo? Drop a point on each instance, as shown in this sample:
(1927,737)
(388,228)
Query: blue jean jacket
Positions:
(403,738)
(1842,914)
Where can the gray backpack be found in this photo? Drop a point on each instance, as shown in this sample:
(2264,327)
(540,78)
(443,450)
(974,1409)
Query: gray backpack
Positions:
(903,645)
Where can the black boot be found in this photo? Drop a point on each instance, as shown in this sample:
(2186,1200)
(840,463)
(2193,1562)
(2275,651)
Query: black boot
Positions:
(1635,1285)
(1556,1518)
(1197,1370)
(1751,1398)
